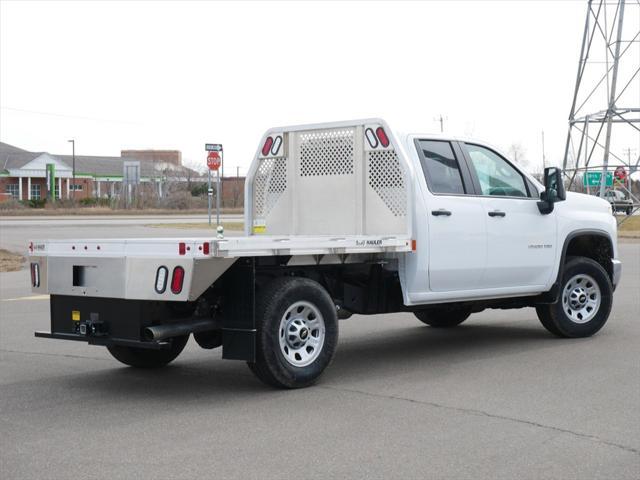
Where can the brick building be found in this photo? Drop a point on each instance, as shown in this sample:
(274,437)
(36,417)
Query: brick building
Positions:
(23,175)
(162,159)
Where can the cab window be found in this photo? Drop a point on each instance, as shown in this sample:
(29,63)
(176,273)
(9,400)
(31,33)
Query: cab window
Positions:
(440,167)
(496,176)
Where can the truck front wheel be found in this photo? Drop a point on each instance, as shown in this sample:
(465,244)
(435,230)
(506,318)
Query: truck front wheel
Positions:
(443,316)
(584,301)
(148,358)
(298,333)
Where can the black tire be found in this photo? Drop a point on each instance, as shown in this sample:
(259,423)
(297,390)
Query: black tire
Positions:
(443,316)
(273,302)
(148,358)
(554,317)
(629,211)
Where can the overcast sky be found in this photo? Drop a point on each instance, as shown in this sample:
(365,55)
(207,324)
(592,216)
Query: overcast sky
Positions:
(168,75)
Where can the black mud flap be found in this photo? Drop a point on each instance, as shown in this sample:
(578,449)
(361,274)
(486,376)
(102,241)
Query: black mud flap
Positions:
(239,311)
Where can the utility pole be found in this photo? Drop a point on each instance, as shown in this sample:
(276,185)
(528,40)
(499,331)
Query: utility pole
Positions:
(544,159)
(440,119)
(629,149)
(73,172)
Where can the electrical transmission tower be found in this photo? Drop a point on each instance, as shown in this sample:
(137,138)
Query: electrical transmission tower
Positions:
(605,112)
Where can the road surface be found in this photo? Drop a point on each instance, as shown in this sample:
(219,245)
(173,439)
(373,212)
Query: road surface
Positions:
(496,398)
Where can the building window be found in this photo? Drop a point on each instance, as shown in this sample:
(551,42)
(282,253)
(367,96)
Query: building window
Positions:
(35,191)
(76,188)
(13,189)
(57,190)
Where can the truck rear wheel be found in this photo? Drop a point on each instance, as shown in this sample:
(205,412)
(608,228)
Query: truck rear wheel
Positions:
(298,334)
(148,358)
(443,316)
(584,303)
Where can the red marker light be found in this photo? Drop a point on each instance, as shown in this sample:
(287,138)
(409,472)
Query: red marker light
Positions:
(176,280)
(182,248)
(266,148)
(382,136)
(205,248)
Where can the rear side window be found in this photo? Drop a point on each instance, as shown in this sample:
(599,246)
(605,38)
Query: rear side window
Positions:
(440,167)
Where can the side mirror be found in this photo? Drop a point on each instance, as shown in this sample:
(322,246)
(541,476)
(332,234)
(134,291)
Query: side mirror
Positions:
(553,190)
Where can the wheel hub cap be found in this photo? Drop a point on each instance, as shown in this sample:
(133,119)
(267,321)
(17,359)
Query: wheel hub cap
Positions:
(301,334)
(581,298)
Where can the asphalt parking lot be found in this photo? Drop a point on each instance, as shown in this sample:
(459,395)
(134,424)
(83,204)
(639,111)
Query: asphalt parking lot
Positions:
(496,398)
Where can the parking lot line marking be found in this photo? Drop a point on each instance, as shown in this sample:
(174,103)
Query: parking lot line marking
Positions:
(32,297)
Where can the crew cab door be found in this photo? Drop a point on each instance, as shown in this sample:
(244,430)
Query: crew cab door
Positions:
(521,242)
(457,230)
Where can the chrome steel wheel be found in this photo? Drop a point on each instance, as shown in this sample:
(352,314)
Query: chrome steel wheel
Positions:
(581,298)
(301,334)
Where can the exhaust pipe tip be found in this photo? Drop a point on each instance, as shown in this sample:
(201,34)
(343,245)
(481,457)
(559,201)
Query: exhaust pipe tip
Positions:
(157,333)
(148,334)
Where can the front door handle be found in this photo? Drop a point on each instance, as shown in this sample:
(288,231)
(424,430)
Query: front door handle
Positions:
(497,213)
(441,212)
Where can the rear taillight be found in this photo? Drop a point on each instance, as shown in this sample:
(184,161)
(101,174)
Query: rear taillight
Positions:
(177,279)
(266,148)
(161,279)
(205,248)
(277,142)
(382,136)
(35,275)
(372,140)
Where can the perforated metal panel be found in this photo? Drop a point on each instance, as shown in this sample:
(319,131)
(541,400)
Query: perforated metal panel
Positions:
(385,177)
(328,183)
(326,152)
(269,184)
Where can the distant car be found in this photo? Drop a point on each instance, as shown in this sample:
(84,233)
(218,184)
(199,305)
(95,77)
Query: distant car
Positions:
(619,202)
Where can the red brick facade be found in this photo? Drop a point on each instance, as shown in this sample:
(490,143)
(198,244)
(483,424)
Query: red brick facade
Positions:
(232,191)
(174,157)
(39,188)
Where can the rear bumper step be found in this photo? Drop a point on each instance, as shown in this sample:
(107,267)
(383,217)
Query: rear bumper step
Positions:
(104,341)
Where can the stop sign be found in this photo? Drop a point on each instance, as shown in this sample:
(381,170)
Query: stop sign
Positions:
(213,160)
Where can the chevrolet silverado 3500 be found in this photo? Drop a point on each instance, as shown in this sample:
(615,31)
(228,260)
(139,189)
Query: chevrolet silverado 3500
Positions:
(342,218)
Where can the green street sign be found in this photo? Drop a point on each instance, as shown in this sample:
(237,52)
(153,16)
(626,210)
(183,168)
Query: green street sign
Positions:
(592,179)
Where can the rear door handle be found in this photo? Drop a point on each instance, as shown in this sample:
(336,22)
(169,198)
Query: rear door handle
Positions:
(441,212)
(497,213)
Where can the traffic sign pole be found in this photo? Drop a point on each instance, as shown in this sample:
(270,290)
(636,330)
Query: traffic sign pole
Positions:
(218,199)
(214,161)
(209,194)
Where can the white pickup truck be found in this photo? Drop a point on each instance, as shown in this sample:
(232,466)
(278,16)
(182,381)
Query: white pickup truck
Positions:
(342,218)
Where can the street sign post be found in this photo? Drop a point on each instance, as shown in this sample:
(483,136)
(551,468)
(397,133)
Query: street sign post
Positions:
(214,161)
(593,179)
(130,179)
(213,147)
